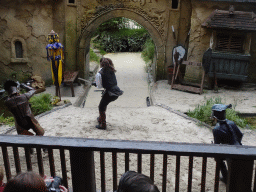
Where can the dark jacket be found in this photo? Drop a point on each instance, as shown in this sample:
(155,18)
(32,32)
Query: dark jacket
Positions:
(227,132)
(109,82)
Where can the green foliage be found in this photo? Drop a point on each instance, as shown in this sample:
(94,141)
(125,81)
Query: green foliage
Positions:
(94,56)
(251,122)
(123,40)
(100,48)
(111,25)
(102,52)
(203,113)
(41,103)
(7,120)
(148,51)
(115,24)
(233,116)
(117,35)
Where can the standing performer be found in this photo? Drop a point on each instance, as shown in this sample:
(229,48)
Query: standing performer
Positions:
(19,106)
(106,79)
(55,54)
(225,132)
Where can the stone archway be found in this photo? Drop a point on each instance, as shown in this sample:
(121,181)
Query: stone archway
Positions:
(83,46)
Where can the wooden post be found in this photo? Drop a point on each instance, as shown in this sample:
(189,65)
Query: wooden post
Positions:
(82,170)
(239,175)
(57,90)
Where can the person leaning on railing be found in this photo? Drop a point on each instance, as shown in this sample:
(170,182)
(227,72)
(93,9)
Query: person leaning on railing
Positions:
(132,181)
(28,182)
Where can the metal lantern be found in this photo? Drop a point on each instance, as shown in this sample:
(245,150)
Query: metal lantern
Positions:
(55,55)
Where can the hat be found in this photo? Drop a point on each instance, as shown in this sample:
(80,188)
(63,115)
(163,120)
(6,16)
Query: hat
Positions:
(220,107)
(219,111)
(11,87)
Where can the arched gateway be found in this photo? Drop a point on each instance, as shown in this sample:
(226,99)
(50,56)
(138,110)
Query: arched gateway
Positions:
(153,15)
(85,37)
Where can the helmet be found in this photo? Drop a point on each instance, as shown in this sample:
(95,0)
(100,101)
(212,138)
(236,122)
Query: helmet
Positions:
(11,87)
(219,111)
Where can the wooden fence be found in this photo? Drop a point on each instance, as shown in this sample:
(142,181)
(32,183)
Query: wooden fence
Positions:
(82,161)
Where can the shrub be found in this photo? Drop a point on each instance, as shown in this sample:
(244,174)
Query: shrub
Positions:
(148,52)
(123,40)
(41,103)
(7,120)
(203,113)
(94,56)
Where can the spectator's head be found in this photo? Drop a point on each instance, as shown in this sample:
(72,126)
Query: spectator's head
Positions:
(107,63)
(1,175)
(11,87)
(26,182)
(132,181)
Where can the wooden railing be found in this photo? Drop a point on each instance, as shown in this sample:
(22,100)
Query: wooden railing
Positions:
(82,154)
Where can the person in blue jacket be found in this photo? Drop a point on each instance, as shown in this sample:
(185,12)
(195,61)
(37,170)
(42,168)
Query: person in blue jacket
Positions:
(225,132)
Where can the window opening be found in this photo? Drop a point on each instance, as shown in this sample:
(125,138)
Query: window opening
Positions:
(230,43)
(175,4)
(18,49)
(71,1)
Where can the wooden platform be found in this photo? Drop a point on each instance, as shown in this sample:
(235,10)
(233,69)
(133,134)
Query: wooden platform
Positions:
(182,85)
(187,88)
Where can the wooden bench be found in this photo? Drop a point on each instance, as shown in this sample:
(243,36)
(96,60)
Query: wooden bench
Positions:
(69,78)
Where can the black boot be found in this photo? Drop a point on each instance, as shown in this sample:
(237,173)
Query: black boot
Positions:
(98,119)
(102,121)
(101,127)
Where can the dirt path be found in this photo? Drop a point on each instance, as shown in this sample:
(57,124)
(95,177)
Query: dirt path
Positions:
(131,78)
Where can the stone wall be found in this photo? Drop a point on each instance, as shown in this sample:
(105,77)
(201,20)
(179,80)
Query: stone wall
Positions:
(28,22)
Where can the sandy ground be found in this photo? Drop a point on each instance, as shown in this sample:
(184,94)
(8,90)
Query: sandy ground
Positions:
(242,99)
(129,118)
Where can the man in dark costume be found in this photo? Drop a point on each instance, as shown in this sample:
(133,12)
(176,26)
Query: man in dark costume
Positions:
(106,79)
(19,106)
(225,132)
